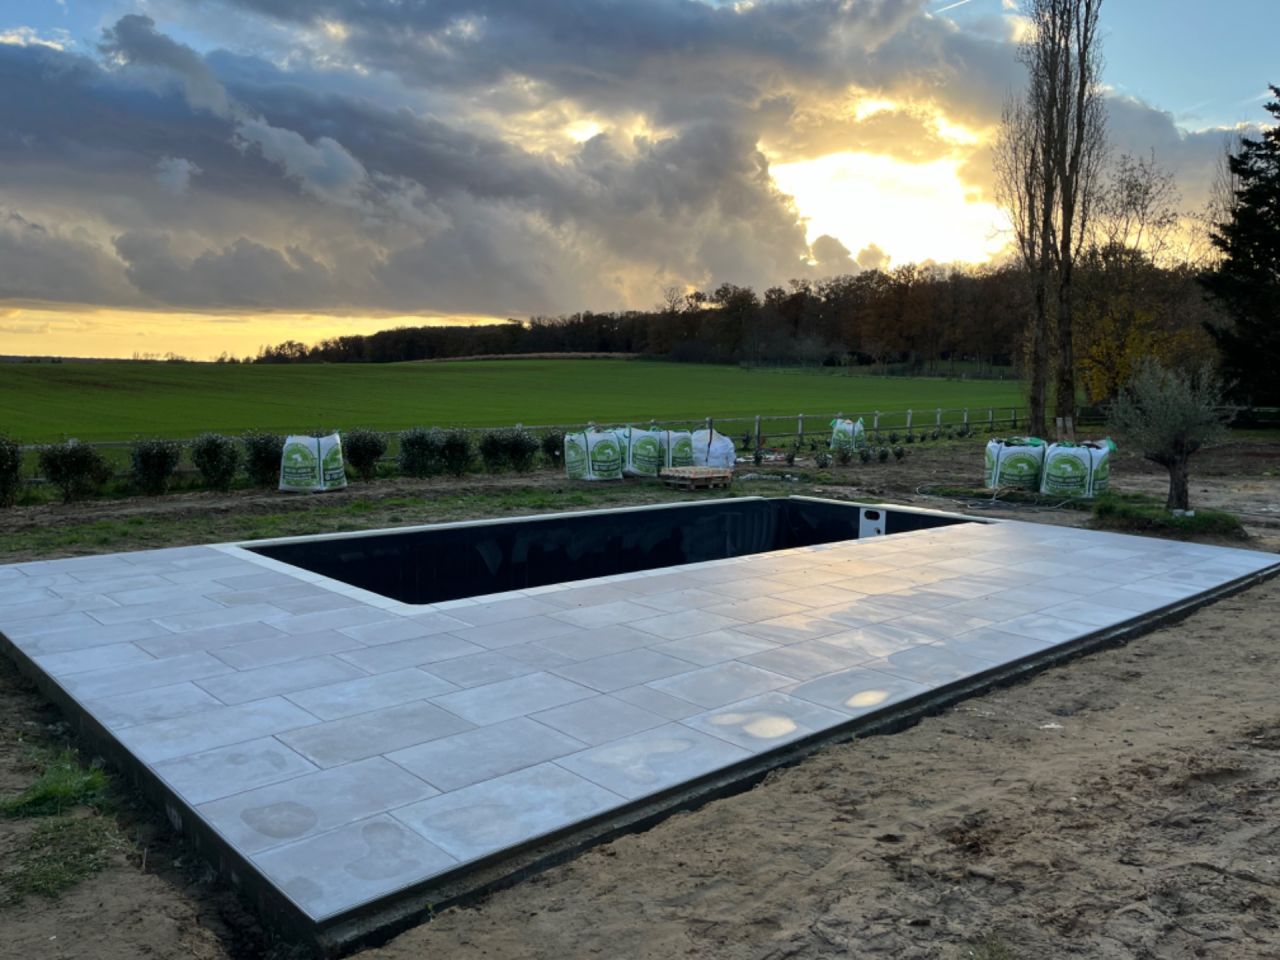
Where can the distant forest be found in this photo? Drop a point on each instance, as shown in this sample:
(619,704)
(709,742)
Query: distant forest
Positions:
(915,319)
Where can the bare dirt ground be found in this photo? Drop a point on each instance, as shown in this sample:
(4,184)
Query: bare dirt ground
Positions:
(1125,805)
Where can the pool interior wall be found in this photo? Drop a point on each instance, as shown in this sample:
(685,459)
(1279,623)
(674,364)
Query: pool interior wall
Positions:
(466,560)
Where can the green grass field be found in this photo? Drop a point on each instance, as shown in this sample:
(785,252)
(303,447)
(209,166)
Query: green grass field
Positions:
(119,401)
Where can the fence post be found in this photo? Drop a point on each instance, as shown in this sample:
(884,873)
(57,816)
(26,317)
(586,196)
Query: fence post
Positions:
(875,424)
(708,424)
(800,428)
(757,431)
(1013,418)
(991,420)
(909,413)
(966,418)
(937,419)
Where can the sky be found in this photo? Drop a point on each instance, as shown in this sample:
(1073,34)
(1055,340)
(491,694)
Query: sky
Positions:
(205,175)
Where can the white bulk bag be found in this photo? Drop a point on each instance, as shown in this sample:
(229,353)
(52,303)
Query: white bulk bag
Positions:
(576,462)
(312,464)
(847,433)
(712,449)
(1016,462)
(676,447)
(641,452)
(1077,470)
(593,455)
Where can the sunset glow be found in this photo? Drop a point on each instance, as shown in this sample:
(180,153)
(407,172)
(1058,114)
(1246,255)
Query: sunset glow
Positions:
(298,170)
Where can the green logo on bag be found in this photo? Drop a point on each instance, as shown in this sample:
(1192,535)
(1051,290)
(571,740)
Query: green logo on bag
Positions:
(606,458)
(1066,473)
(1102,475)
(645,455)
(575,458)
(682,452)
(335,473)
(1020,466)
(298,465)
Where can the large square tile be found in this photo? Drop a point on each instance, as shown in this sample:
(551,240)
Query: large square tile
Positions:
(506,811)
(647,762)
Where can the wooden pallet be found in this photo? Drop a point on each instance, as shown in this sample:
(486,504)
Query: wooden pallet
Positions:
(696,478)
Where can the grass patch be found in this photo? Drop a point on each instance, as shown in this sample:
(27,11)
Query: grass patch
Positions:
(118,401)
(57,855)
(62,785)
(1136,513)
(301,516)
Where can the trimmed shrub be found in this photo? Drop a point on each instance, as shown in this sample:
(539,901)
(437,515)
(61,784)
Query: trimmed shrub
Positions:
(512,449)
(822,459)
(10,471)
(363,449)
(899,453)
(151,465)
(421,453)
(217,458)
(262,454)
(456,452)
(883,454)
(553,449)
(864,454)
(74,468)
(844,455)
(758,456)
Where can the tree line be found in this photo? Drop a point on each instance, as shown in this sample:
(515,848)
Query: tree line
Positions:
(925,320)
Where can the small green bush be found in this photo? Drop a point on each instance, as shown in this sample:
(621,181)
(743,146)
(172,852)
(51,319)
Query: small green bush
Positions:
(217,458)
(553,449)
(791,455)
(512,449)
(151,465)
(74,468)
(1136,513)
(864,454)
(757,457)
(456,452)
(363,449)
(883,454)
(262,454)
(421,453)
(899,452)
(844,455)
(822,459)
(10,471)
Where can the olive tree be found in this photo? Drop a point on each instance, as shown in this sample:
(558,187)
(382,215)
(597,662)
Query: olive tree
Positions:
(1168,415)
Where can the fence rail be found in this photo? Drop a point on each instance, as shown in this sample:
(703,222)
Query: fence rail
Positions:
(764,430)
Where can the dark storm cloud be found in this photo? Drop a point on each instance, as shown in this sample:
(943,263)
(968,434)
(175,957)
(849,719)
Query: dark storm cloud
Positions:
(384,168)
(266,195)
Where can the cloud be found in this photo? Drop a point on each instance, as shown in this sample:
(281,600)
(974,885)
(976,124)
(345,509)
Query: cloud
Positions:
(871,257)
(30,37)
(134,40)
(175,173)
(477,156)
(56,263)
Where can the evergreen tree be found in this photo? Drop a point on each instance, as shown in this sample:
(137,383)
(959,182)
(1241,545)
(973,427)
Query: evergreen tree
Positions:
(1247,280)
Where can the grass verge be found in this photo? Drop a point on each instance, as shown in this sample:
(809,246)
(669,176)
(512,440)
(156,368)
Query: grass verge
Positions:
(63,785)
(58,854)
(1137,513)
(59,833)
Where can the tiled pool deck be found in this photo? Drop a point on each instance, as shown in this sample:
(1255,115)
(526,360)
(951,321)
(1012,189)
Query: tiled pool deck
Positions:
(347,746)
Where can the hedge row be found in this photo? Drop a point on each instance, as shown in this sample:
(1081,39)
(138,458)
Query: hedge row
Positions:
(78,470)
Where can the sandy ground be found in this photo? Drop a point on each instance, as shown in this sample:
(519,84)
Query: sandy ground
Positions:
(1124,805)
